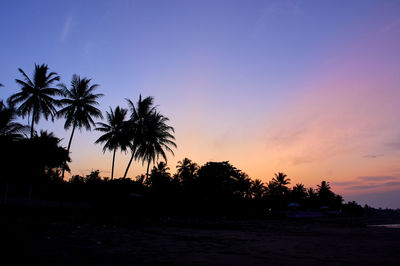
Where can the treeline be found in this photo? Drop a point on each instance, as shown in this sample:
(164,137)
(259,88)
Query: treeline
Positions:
(216,188)
(33,164)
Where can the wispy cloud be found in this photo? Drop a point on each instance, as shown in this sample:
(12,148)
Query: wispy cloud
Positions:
(372,156)
(66,28)
(362,187)
(344,183)
(377,178)
(373,185)
(274,10)
(369,182)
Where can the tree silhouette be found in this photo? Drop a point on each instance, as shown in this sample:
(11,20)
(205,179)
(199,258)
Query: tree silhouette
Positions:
(221,180)
(42,158)
(79,105)
(186,172)
(115,133)
(325,194)
(281,179)
(279,183)
(277,191)
(36,96)
(298,193)
(9,128)
(257,189)
(140,116)
(157,137)
(159,179)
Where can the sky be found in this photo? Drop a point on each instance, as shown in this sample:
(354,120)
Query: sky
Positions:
(308,88)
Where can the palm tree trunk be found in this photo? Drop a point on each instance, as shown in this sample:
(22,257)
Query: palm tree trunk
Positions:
(69,146)
(70,139)
(129,164)
(112,168)
(33,116)
(147,172)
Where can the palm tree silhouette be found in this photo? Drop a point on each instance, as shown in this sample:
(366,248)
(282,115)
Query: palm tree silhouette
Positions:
(157,137)
(115,133)
(79,106)
(186,166)
(160,179)
(186,173)
(36,95)
(281,179)
(299,193)
(9,128)
(161,168)
(136,125)
(257,189)
(325,186)
(325,193)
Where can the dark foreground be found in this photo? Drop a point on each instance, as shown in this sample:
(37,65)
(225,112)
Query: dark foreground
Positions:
(70,241)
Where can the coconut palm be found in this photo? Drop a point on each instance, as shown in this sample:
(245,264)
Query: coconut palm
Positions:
(325,193)
(186,166)
(8,127)
(136,125)
(281,179)
(157,138)
(257,189)
(298,193)
(36,95)
(115,133)
(79,105)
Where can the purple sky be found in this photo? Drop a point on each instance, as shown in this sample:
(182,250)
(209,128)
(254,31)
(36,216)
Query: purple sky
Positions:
(309,88)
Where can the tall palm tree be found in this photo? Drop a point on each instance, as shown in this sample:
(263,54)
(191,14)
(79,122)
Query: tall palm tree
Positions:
(140,114)
(79,106)
(36,96)
(157,137)
(8,127)
(115,133)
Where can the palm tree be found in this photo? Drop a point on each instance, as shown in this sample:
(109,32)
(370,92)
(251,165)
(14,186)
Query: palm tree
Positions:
(36,96)
(160,179)
(325,186)
(9,128)
(186,170)
(325,193)
(136,125)
(299,188)
(311,193)
(281,179)
(115,133)
(157,137)
(257,189)
(79,106)
(299,193)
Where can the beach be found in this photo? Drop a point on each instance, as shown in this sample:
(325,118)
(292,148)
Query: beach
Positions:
(169,241)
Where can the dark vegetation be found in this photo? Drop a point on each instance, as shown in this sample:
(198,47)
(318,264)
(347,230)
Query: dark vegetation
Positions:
(33,164)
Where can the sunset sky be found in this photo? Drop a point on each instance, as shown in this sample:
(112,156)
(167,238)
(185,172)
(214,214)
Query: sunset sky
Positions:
(308,88)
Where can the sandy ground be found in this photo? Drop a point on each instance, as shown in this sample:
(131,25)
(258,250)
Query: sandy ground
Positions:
(255,242)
